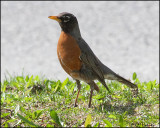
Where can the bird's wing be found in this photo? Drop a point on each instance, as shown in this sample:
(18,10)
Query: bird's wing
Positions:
(88,57)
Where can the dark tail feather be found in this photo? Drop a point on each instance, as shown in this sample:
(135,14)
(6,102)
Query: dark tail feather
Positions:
(126,82)
(109,74)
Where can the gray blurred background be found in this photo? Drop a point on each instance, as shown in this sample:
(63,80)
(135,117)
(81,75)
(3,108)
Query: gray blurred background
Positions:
(123,34)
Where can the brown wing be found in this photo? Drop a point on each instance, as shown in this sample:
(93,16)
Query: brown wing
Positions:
(88,57)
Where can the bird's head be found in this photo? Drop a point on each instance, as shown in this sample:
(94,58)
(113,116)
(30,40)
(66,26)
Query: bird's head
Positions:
(67,21)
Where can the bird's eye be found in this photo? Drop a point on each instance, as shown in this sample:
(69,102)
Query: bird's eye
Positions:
(66,18)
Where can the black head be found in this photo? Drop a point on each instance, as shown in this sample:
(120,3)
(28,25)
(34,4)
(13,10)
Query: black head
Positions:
(66,20)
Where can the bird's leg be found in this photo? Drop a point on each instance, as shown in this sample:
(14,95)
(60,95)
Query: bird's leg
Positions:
(92,88)
(96,87)
(107,88)
(103,82)
(79,88)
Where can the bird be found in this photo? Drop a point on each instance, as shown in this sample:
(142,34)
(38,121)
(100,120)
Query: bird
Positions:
(78,60)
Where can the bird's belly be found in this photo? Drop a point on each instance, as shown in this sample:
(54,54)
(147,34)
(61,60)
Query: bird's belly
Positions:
(68,53)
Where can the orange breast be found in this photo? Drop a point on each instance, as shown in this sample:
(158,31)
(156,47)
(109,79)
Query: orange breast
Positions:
(68,53)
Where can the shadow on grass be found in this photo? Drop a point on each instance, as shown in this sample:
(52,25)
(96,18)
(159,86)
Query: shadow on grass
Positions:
(117,107)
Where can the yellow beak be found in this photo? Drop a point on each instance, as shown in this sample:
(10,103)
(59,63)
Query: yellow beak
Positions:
(55,18)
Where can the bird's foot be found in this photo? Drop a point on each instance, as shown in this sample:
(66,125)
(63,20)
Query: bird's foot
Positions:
(75,105)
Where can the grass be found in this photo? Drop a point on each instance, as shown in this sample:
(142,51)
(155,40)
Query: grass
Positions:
(33,101)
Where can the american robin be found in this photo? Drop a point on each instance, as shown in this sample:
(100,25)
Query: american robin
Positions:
(77,58)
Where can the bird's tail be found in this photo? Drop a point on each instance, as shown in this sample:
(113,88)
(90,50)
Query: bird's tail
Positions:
(120,79)
(124,81)
(109,74)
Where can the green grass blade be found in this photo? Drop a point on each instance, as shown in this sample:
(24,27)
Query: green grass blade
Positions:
(64,83)
(9,121)
(108,124)
(4,115)
(39,113)
(112,116)
(88,120)
(48,125)
(55,117)
(121,122)
(96,125)
(3,87)
(134,76)
(27,121)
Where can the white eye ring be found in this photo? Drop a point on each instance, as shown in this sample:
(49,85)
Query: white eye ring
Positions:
(68,18)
